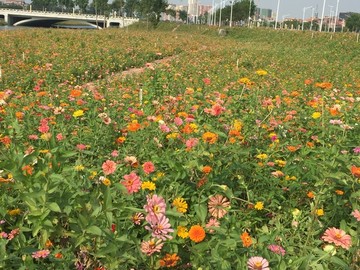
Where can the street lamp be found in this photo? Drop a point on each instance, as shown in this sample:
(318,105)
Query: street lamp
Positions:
(336,15)
(304,10)
(322,16)
(220,14)
(277,14)
(250,12)
(312,18)
(329,22)
(231,12)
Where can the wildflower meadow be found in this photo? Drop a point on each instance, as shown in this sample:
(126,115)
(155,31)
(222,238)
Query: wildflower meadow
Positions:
(176,148)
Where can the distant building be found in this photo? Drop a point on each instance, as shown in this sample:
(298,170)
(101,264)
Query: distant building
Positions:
(193,8)
(263,13)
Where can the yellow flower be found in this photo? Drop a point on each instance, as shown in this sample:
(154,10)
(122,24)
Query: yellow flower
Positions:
(296,213)
(244,80)
(259,206)
(93,174)
(148,185)
(320,212)
(78,113)
(44,151)
(14,212)
(280,163)
(261,72)
(316,115)
(238,125)
(182,232)
(290,177)
(194,127)
(45,136)
(79,168)
(173,135)
(106,181)
(158,175)
(262,156)
(180,204)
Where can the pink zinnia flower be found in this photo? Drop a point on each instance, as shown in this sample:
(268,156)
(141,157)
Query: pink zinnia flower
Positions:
(81,147)
(59,137)
(277,249)
(337,237)
(148,167)
(33,137)
(43,128)
(218,205)
(213,222)
(132,182)
(258,263)
(155,206)
(165,128)
(3,235)
(40,254)
(115,153)
(159,228)
(356,214)
(13,233)
(150,247)
(192,142)
(109,167)
(178,121)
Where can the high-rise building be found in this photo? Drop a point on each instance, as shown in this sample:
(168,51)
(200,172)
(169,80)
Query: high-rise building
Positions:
(193,7)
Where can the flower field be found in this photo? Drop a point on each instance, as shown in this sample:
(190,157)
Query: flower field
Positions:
(236,152)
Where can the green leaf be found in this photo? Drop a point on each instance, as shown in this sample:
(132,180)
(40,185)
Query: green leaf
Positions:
(343,265)
(54,207)
(201,211)
(95,230)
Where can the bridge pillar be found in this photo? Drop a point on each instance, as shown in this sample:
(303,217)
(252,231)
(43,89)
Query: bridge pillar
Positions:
(6,18)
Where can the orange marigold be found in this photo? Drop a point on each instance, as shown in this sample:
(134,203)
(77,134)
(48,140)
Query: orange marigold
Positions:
(197,233)
(169,260)
(246,239)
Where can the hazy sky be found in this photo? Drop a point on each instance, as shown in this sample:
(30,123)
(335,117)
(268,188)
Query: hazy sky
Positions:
(294,8)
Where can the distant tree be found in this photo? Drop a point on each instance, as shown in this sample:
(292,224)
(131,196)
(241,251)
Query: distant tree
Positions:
(171,12)
(353,22)
(131,6)
(183,15)
(240,11)
(66,4)
(118,5)
(83,4)
(100,7)
(152,9)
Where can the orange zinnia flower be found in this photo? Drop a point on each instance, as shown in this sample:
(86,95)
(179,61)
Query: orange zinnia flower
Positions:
(206,169)
(197,233)
(355,171)
(170,260)
(210,137)
(134,126)
(324,85)
(246,239)
(75,93)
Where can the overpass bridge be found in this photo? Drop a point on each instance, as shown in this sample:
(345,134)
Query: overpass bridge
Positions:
(34,18)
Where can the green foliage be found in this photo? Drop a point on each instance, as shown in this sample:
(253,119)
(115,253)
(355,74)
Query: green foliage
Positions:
(353,22)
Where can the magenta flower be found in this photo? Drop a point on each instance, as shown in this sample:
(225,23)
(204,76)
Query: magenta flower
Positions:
(150,247)
(277,249)
(258,263)
(155,206)
(132,182)
(159,227)
(337,237)
(40,254)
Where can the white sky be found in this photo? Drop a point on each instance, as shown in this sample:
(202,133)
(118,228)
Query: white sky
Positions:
(295,8)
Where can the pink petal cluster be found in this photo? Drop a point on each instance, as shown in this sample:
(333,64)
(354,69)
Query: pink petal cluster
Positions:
(151,246)
(277,249)
(131,182)
(109,167)
(148,167)
(159,224)
(40,254)
(258,263)
(356,214)
(337,237)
